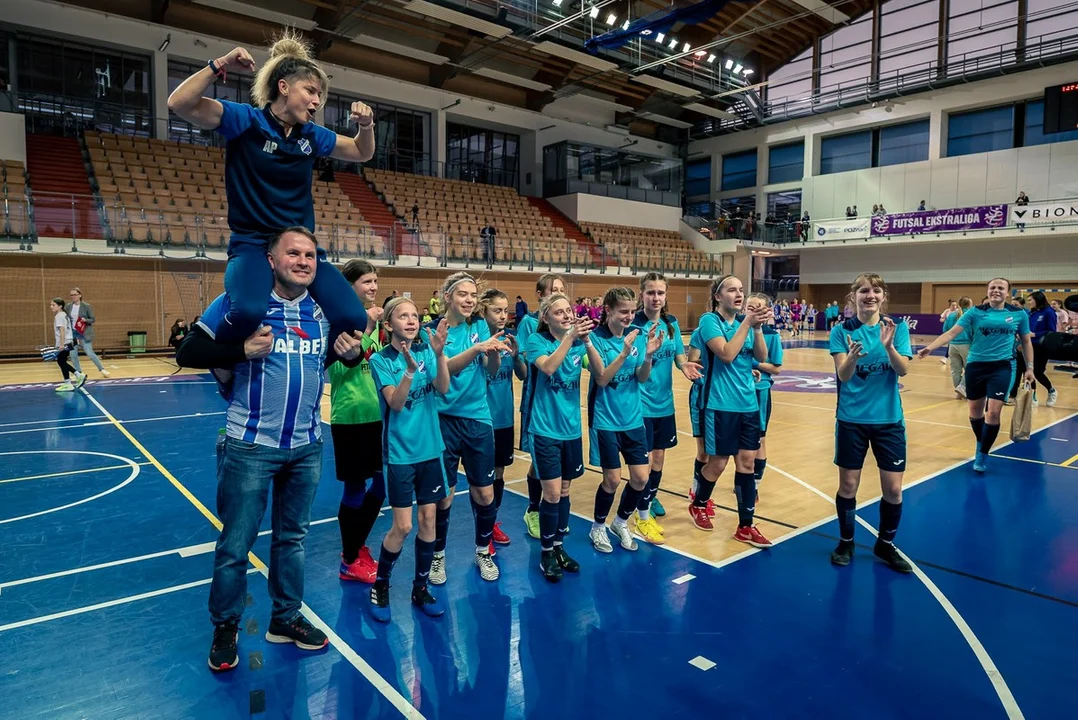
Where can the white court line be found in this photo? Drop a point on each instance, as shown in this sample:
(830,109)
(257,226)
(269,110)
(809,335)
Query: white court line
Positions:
(98,423)
(101,566)
(110,603)
(135,470)
(1060,439)
(54,420)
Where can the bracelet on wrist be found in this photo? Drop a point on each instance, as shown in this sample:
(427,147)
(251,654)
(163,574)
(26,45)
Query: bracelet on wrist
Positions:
(409,374)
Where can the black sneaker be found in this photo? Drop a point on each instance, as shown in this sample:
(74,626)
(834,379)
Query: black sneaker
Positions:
(843,553)
(427,603)
(889,554)
(564,561)
(380,602)
(299,631)
(550,567)
(223,653)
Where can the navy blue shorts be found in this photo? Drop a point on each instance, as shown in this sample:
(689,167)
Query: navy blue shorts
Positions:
(763,396)
(424,482)
(555,459)
(469,442)
(357,465)
(504,447)
(694,409)
(888,443)
(726,433)
(991,380)
(661,432)
(612,445)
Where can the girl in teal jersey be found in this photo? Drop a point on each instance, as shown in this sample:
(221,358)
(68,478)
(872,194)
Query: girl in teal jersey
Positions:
(615,414)
(658,397)
(547,285)
(871,352)
(992,327)
(464,419)
(958,349)
(731,418)
(556,352)
(493,308)
(696,354)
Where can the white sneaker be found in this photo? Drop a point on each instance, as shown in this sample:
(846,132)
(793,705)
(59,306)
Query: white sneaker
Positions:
(437,570)
(600,540)
(621,531)
(105,372)
(80,380)
(961,390)
(65,387)
(943,361)
(487,569)
(1053,395)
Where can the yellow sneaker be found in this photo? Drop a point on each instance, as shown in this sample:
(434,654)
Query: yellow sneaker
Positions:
(531,521)
(649,531)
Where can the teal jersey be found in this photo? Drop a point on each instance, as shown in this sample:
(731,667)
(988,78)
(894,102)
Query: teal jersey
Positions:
(992,331)
(774,356)
(618,406)
(696,391)
(870,396)
(412,434)
(526,326)
(500,392)
(728,387)
(554,400)
(657,392)
(961,338)
(467,395)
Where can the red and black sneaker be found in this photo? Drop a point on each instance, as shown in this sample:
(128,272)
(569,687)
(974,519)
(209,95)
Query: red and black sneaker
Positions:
(223,652)
(299,631)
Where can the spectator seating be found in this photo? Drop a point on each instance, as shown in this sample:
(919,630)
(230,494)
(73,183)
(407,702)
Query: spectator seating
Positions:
(645,249)
(13,199)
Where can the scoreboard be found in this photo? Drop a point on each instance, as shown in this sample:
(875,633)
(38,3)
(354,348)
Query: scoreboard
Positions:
(1061,108)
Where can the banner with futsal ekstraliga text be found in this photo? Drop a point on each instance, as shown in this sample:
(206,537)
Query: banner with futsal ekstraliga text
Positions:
(933,221)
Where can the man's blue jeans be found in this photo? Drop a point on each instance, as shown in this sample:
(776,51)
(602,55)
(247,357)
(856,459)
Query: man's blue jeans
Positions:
(245,475)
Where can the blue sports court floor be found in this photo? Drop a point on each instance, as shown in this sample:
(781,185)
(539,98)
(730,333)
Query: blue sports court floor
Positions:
(106,537)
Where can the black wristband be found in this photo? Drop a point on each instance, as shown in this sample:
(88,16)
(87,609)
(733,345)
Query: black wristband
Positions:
(213,67)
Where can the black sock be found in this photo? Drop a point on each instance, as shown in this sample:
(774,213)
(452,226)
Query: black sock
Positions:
(847,514)
(654,478)
(368,515)
(603,502)
(697,468)
(890,516)
(386,560)
(485,517)
(978,428)
(441,528)
(548,523)
(499,492)
(630,497)
(348,519)
(535,493)
(424,553)
(704,488)
(745,485)
(563,519)
(988,437)
(758,467)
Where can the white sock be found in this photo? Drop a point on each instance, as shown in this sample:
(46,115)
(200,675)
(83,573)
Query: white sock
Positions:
(618,521)
(482,550)
(643,514)
(597,525)
(440,554)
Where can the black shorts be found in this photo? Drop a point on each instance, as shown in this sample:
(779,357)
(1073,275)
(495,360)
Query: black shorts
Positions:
(726,433)
(661,432)
(763,396)
(991,380)
(504,446)
(357,450)
(888,442)
(471,443)
(555,459)
(609,446)
(424,482)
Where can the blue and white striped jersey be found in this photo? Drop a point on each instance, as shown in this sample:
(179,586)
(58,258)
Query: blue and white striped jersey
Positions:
(276,401)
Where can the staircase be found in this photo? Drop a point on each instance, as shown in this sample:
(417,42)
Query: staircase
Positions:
(63,201)
(377,214)
(572,232)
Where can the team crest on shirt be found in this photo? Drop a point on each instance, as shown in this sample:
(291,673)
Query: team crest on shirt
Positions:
(422,365)
(576,360)
(634,351)
(475,337)
(318,315)
(305,146)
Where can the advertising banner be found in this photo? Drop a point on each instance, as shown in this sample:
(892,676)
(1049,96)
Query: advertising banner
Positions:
(1044,213)
(851,229)
(933,221)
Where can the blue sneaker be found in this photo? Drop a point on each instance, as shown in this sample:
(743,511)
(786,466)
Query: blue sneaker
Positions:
(430,605)
(980,462)
(657,508)
(380,603)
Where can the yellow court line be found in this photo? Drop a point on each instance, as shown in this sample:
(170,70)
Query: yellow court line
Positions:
(1069,463)
(70,472)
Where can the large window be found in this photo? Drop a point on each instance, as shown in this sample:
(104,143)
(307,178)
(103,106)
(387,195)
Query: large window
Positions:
(698,179)
(739,170)
(909,39)
(1034,130)
(846,55)
(400,134)
(69,83)
(840,153)
(784,206)
(481,155)
(979,28)
(791,82)
(1048,20)
(902,143)
(980,131)
(786,163)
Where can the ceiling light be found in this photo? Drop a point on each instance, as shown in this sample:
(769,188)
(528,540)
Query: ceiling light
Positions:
(700,53)
(747,72)
(611,19)
(557,3)
(625,26)
(711,58)
(594,12)
(686,47)
(729,64)
(673,43)
(737,68)
(660,38)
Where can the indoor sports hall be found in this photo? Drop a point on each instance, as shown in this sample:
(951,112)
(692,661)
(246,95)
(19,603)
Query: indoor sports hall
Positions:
(780,164)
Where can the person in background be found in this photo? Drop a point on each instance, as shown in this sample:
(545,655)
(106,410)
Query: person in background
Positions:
(849,212)
(415,215)
(1022,200)
(178,333)
(875,210)
(82,316)
(854,211)
(1063,323)
(385,302)
(520,311)
(958,348)
(61,325)
(433,305)
(1042,320)
(921,207)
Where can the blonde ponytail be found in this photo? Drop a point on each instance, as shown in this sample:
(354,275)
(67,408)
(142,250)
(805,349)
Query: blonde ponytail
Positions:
(289,57)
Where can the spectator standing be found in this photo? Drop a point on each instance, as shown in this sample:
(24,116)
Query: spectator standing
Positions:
(82,323)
